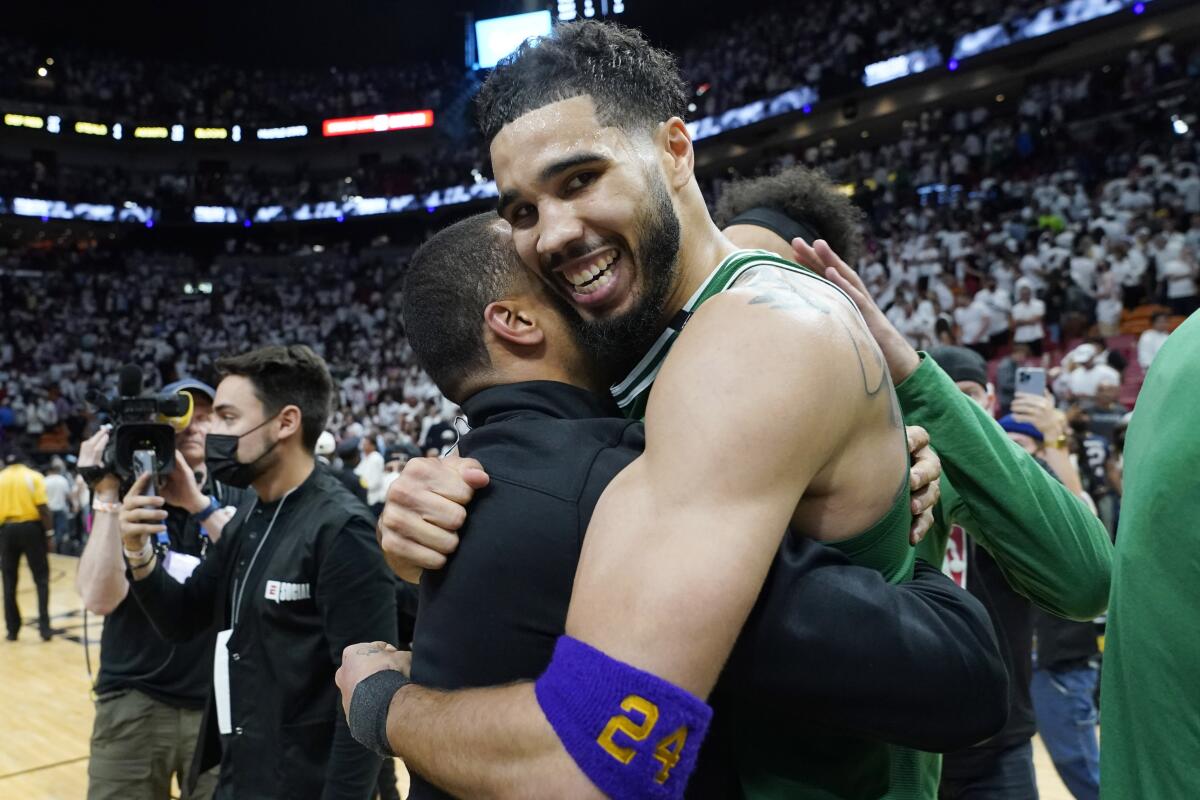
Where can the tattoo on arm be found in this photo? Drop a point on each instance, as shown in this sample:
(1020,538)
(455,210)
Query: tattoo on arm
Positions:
(777,293)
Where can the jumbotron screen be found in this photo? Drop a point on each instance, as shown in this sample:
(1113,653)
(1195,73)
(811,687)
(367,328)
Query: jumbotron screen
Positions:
(495,38)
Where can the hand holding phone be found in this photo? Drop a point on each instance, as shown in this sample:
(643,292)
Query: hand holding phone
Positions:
(143,462)
(1031,380)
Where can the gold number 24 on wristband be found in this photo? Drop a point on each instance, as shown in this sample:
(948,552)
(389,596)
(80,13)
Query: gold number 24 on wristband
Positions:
(666,751)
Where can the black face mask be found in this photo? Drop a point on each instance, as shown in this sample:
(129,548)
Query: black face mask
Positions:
(220,455)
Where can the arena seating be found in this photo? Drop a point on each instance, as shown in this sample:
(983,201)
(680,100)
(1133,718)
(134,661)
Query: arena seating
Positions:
(1086,163)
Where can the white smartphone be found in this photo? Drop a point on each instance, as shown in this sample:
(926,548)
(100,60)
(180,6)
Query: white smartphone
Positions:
(1031,380)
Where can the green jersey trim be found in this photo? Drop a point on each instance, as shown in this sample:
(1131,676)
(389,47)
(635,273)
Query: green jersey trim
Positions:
(632,392)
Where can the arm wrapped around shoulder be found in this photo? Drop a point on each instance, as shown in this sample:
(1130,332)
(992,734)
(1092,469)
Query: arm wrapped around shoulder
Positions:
(632,733)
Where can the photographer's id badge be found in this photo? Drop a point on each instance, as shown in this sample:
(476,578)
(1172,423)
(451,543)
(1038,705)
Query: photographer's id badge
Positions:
(180,566)
(221,682)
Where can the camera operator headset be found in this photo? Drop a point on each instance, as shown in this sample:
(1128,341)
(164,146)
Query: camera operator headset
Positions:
(161,686)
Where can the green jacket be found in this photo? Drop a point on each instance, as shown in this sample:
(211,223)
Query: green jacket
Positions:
(1050,546)
(1150,698)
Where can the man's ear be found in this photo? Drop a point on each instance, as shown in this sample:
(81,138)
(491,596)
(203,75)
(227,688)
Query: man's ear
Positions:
(290,421)
(679,155)
(511,323)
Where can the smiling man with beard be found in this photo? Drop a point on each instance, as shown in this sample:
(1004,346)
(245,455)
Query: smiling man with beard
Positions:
(595,168)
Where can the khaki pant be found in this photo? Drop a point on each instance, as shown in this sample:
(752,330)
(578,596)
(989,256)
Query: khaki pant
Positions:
(138,743)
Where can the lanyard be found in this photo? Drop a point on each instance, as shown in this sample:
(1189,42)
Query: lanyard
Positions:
(238,592)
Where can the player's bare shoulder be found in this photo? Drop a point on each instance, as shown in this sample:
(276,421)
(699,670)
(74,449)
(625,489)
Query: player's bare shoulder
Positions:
(816,307)
(796,291)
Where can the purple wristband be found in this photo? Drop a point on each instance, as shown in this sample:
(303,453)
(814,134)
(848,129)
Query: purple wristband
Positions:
(632,733)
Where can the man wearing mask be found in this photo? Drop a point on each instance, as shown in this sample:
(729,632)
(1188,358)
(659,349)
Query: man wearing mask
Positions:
(296,577)
(141,677)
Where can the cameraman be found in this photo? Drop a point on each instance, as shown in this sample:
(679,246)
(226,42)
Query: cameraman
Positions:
(150,694)
(296,578)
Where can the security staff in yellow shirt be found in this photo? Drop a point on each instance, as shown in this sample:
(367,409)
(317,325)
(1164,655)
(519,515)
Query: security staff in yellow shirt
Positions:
(26,527)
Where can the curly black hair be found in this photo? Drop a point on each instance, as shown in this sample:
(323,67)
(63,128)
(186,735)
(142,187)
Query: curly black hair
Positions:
(805,195)
(634,85)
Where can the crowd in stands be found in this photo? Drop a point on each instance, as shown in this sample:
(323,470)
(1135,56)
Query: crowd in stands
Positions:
(73,317)
(764,52)
(827,46)
(443,166)
(760,55)
(166,91)
(1036,225)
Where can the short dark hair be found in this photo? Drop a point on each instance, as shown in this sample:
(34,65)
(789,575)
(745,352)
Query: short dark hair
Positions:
(634,85)
(287,376)
(805,195)
(451,279)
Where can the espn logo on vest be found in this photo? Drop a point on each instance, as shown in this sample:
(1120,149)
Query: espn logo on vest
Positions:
(282,591)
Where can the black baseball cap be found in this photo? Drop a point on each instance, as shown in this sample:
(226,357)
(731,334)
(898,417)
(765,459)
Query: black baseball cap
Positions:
(961,364)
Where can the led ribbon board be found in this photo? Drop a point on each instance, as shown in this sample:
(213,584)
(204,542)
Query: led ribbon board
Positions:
(378,123)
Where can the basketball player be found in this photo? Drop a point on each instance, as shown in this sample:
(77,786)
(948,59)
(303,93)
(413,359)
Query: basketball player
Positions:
(595,168)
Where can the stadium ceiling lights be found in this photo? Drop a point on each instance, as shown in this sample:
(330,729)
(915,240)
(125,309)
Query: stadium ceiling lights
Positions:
(378,123)
(24,121)
(286,132)
(91,128)
(567,10)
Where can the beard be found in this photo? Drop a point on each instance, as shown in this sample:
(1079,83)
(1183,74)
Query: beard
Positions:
(617,343)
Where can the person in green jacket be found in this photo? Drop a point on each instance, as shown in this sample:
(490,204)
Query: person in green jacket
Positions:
(1150,686)
(1041,536)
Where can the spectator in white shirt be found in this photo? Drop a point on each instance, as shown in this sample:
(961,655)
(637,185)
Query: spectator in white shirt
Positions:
(1152,339)
(940,288)
(58,500)
(1129,268)
(1180,274)
(389,412)
(1083,272)
(1188,184)
(1027,315)
(371,469)
(973,320)
(1108,300)
(998,304)
(1086,370)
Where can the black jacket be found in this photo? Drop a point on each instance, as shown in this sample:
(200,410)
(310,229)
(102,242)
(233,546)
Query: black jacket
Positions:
(1064,644)
(831,642)
(317,584)
(353,483)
